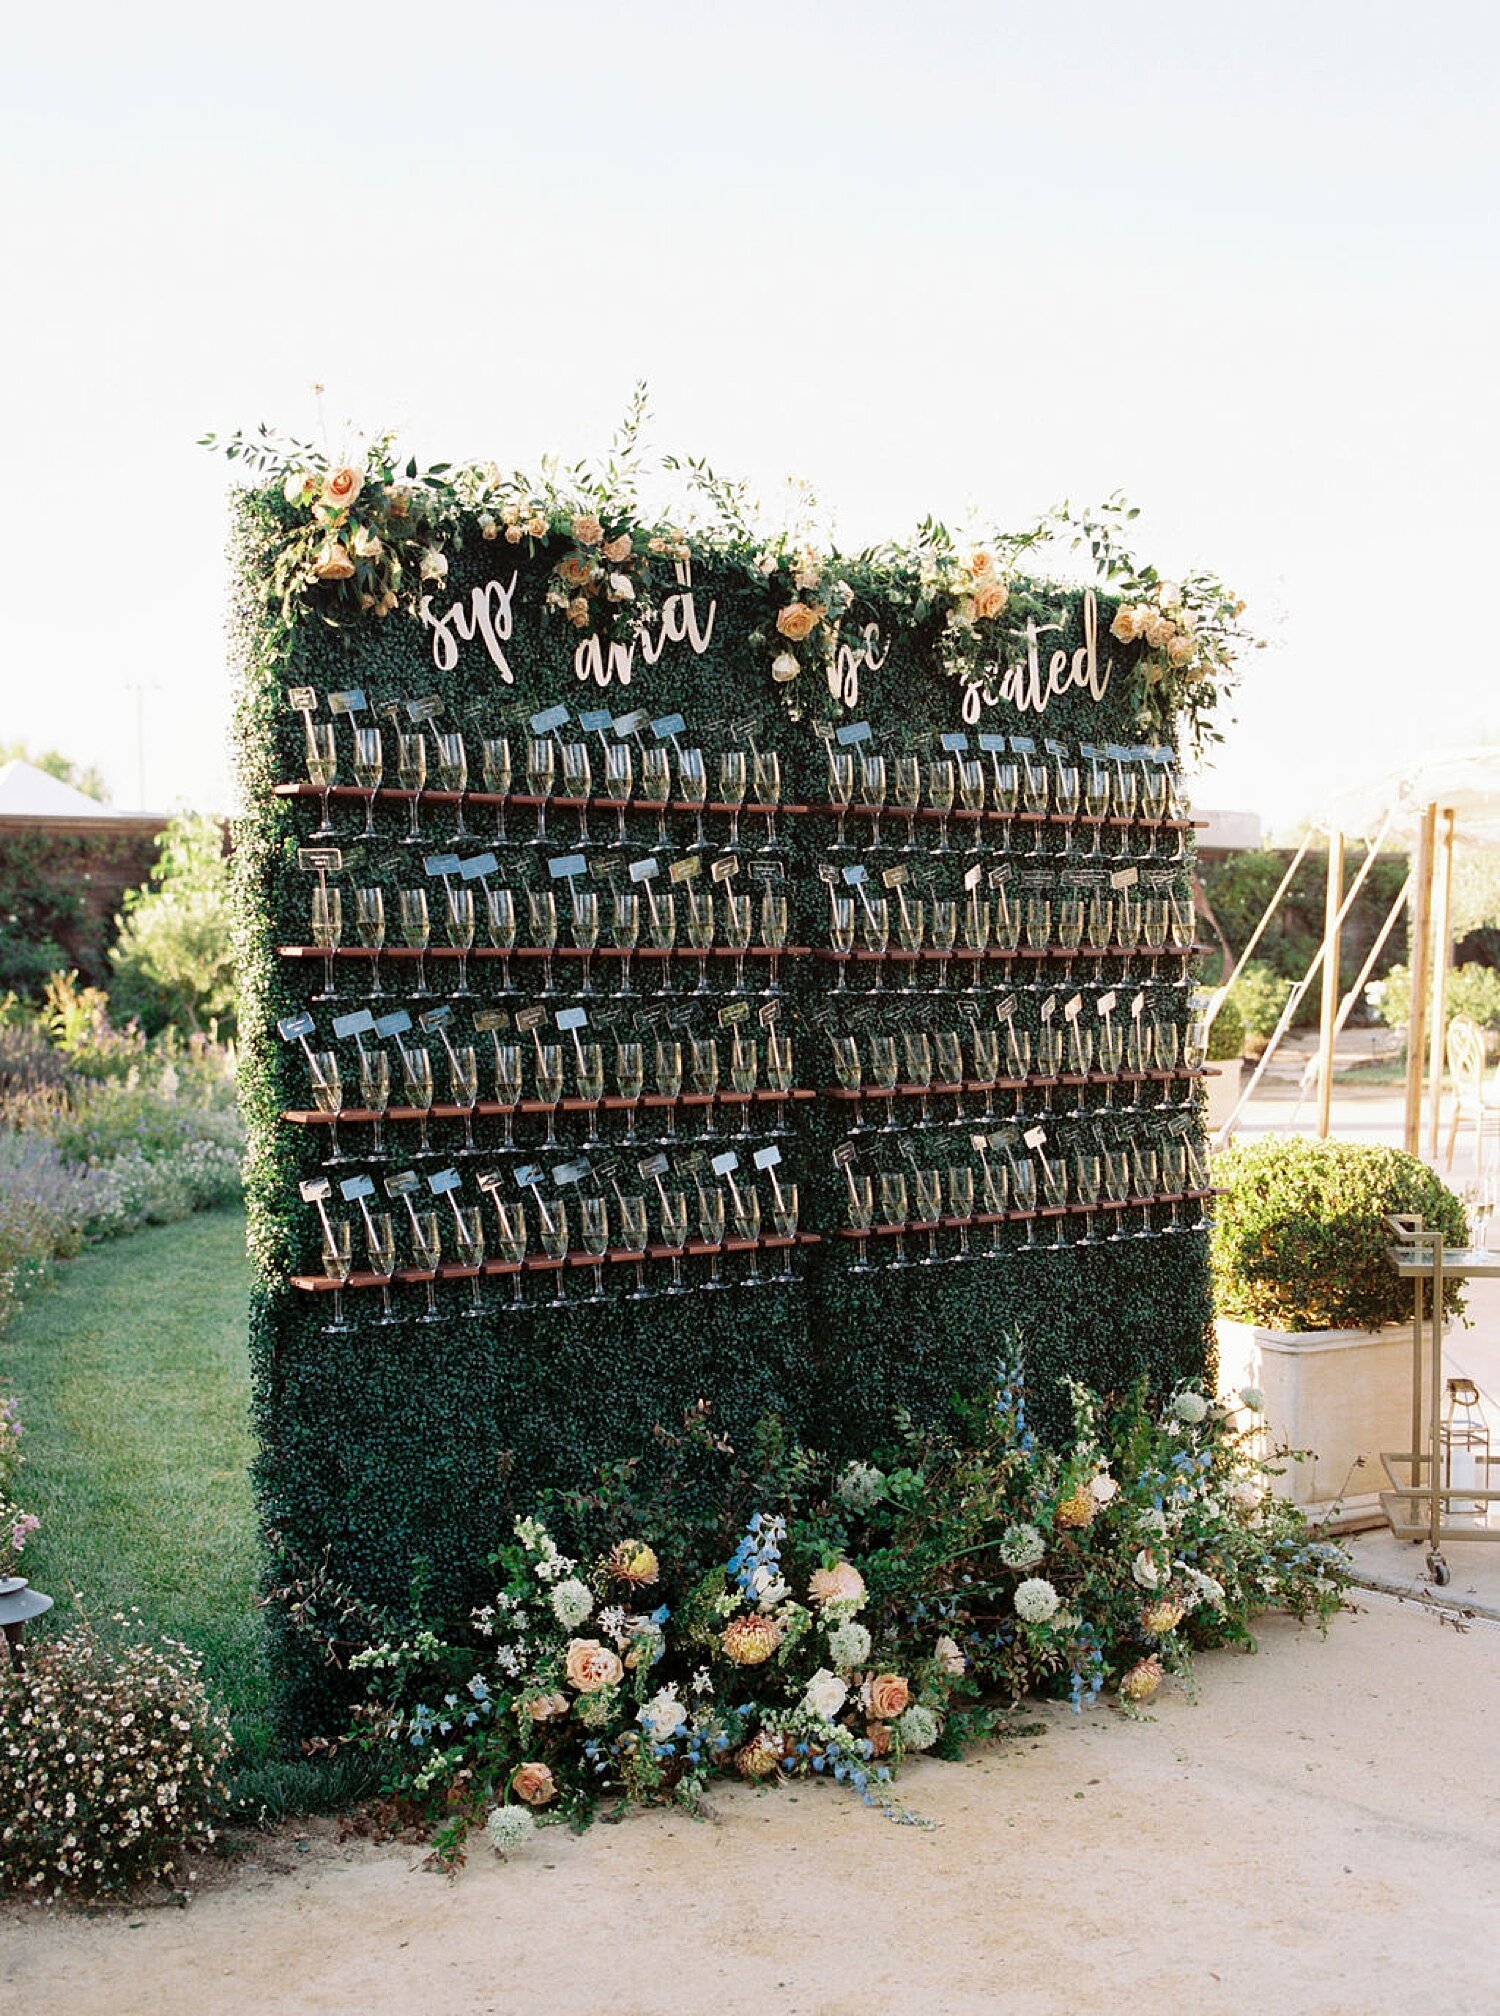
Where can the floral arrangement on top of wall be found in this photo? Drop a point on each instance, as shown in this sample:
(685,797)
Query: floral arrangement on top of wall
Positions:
(364,541)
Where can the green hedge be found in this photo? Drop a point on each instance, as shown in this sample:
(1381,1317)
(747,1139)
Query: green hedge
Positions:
(396,1457)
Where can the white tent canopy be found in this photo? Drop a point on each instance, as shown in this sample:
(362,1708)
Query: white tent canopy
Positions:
(1465,782)
(29,793)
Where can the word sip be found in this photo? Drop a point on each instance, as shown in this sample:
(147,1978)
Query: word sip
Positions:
(677,624)
(1030,690)
(488,617)
(850,659)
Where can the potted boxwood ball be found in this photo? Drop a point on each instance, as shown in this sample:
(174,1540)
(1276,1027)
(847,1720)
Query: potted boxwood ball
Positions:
(1311,1313)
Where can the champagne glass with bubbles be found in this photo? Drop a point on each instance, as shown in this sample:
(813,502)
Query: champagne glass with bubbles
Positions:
(338,1263)
(495,750)
(411,775)
(327,931)
(322,769)
(369,768)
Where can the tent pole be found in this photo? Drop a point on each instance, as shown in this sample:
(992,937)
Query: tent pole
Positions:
(1330,1002)
(1421,945)
(1221,992)
(1440,952)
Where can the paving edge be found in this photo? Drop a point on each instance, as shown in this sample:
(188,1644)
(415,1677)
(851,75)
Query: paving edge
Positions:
(1428,1597)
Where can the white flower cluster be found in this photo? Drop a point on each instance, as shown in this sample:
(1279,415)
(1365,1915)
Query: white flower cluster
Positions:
(1190,1408)
(1036,1601)
(918,1727)
(572,1603)
(860,1486)
(509,1827)
(1022,1547)
(663,1714)
(848,1645)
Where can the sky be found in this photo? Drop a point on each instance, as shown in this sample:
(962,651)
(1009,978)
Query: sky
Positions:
(1238,263)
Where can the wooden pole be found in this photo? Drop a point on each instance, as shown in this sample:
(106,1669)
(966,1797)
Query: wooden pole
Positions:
(1332,902)
(1421,945)
(1444,927)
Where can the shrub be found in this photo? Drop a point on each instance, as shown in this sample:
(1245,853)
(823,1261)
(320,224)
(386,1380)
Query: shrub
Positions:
(1226,1038)
(1260,995)
(112,1763)
(172,959)
(1471,990)
(1299,1240)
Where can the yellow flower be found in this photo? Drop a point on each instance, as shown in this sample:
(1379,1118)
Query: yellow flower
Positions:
(750,1641)
(759,1757)
(1157,1619)
(1076,1510)
(634,1562)
(1143,1679)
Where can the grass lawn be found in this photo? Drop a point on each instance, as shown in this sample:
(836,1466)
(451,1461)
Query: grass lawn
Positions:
(134,1390)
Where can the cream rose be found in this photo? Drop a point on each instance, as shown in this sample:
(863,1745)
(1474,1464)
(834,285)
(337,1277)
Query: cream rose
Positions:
(587,529)
(1180,649)
(1158,629)
(949,1658)
(886,1695)
(798,620)
(578,612)
(620,588)
(341,487)
(1123,627)
(488,529)
(533,1783)
(617,550)
(981,564)
(990,598)
(365,544)
(298,487)
(513,535)
(536,525)
(785,668)
(842,1583)
(434,565)
(333,563)
(590,1666)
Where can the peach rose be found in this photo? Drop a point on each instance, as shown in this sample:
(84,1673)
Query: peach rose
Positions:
(341,487)
(513,535)
(1180,649)
(880,1738)
(990,598)
(1123,627)
(634,1562)
(537,526)
(886,1695)
(842,1583)
(587,529)
(545,1708)
(488,529)
(333,563)
(750,1641)
(575,569)
(981,565)
(618,549)
(590,1666)
(578,612)
(797,620)
(533,1783)
(1158,629)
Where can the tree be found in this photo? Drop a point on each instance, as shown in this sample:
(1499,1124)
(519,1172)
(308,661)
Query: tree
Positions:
(172,959)
(84,778)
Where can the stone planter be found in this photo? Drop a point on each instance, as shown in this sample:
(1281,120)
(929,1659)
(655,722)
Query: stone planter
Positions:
(1223,1093)
(1343,1395)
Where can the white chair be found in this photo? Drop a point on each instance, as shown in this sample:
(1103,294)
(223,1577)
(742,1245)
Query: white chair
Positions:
(1474,1103)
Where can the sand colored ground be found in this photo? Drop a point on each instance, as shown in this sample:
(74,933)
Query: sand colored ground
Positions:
(1318,1836)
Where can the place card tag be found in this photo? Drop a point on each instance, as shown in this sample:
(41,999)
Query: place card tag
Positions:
(956,745)
(654,1165)
(1000,878)
(981,1143)
(442,864)
(303,698)
(480,864)
(668,726)
(352,702)
(571,1018)
(294,1027)
(726,866)
(488,1020)
(567,865)
(770,1014)
(744,730)
(992,745)
(528,1019)
(1049,1007)
(693,1164)
(854,876)
(767,1158)
(595,721)
(827,872)
(1124,878)
(969,1012)
(424,710)
(1071,1008)
(360,1023)
(1138,1004)
(548,720)
(767,871)
(645,871)
(355,1187)
(395,1024)
(726,1164)
(321,860)
(1106,1002)
(1055,748)
(907,1150)
(315,1190)
(685,870)
(733,1013)
(435,1020)
(1005,1008)
(528,1176)
(1022,745)
(491,1180)
(845,1154)
(630,724)
(852,733)
(973,876)
(444,1181)
(894,878)
(569,1172)
(1001,1143)
(404,1183)
(1035,1137)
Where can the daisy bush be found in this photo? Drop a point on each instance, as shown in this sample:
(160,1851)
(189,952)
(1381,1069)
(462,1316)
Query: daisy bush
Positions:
(809,1620)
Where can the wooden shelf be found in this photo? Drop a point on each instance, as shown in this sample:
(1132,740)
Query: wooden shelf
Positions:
(983,1218)
(540,1263)
(912,1090)
(559,951)
(316,1117)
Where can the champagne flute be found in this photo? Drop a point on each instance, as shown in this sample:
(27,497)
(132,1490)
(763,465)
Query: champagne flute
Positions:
(338,1263)
(369,768)
(416,1079)
(500,926)
(625,930)
(700,931)
(630,1077)
(872,791)
(1109,1046)
(906,795)
(1125,792)
(674,1229)
(459,910)
(380,1245)
(1086,1189)
(578,778)
(996,1195)
(918,1051)
(549,1085)
(786,1213)
(976,937)
(944,936)
(746,1206)
(877,936)
(511,1219)
(711,1229)
(369,929)
(411,775)
(453,775)
(1174,1177)
(841,934)
(1005,919)
(322,769)
(778,1075)
(948,1068)
(416,931)
(1096,802)
(1038,923)
(961,1204)
(328,1096)
(427,1250)
(1023,1196)
(849,1071)
(327,931)
(463,1077)
(1099,927)
(619,776)
(929,1204)
(773,930)
(1117,1188)
(861,1214)
(508,1069)
(1017,1053)
(1005,792)
(375,1094)
(768,792)
(734,783)
(692,782)
(593,1235)
(1147,1183)
(591,1086)
(541,774)
(703,1076)
(1067,797)
(541,905)
(668,1062)
(656,787)
(940,788)
(1154,921)
(1200,1178)
(840,791)
(552,1219)
(586,932)
(739,920)
(1068,923)
(883,1075)
(633,1237)
(1035,788)
(661,924)
(1128,922)
(911,926)
(893,1210)
(971,793)
(468,1233)
(495,750)
(744,1075)
(987,1066)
